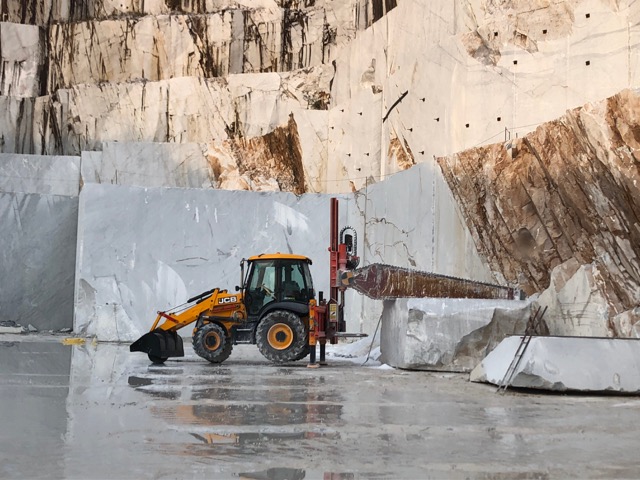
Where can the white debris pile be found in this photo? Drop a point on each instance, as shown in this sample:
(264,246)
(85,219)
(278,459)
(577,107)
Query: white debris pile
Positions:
(357,352)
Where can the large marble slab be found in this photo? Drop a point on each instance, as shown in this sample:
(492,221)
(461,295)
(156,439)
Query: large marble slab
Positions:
(149,164)
(583,364)
(446,333)
(146,249)
(37,259)
(42,174)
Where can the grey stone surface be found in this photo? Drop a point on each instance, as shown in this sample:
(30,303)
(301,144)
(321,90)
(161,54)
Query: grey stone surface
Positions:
(566,364)
(447,334)
(43,174)
(37,259)
(190,419)
(146,249)
(149,165)
(34,387)
(412,221)
(577,302)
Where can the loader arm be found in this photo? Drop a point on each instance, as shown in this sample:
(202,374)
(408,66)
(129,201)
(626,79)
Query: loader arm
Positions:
(174,322)
(163,341)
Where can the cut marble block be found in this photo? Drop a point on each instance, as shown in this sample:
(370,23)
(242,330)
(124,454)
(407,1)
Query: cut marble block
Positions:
(141,250)
(446,334)
(42,174)
(584,364)
(147,164)
(37,259)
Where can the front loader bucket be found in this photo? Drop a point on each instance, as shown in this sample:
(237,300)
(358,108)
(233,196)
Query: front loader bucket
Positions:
(159,345)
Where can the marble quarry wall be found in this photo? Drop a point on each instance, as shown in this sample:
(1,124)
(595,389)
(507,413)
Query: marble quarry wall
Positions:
(43,12)
(408,81)
(338,97)
(564,197)
(446,76)
(179,110)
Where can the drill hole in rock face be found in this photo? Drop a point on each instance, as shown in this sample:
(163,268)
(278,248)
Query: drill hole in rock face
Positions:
(525,241)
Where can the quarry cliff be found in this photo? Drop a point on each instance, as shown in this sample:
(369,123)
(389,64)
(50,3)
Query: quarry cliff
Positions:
(509,126)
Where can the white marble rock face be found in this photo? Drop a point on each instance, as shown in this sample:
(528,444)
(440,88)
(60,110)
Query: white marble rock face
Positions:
(576,302)
(580,364)
(42,174)
(230,41)
(456,100)
(141,250)
(37,259)
(22,59)
(447,334)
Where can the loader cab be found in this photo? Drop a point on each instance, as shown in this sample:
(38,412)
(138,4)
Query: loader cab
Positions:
(274,279)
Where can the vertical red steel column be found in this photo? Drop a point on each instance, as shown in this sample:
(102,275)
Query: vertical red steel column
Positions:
(329,327)
(312,334)
(333,251)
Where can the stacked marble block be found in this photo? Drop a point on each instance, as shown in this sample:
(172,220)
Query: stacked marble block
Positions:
(39,218)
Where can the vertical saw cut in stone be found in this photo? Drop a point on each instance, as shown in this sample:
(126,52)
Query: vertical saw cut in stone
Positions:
(580,364)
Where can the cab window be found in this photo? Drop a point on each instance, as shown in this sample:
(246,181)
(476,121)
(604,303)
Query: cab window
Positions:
(293,282)
(262,286)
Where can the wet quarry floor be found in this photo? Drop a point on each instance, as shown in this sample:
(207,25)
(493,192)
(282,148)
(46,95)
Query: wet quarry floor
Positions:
(98,411)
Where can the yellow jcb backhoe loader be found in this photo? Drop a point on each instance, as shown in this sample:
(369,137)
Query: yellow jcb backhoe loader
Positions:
(270,309)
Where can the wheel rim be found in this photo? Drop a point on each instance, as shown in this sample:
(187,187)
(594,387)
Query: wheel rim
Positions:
(212,341)
(280,336)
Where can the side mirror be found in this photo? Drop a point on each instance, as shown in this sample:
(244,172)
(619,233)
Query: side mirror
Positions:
(237,288)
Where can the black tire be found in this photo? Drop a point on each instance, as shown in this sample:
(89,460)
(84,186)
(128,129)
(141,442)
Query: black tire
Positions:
(157,360)
(281,337)
(304,353)
(211,342)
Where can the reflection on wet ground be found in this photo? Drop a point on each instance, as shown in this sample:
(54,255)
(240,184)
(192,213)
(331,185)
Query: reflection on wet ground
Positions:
(101,412)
